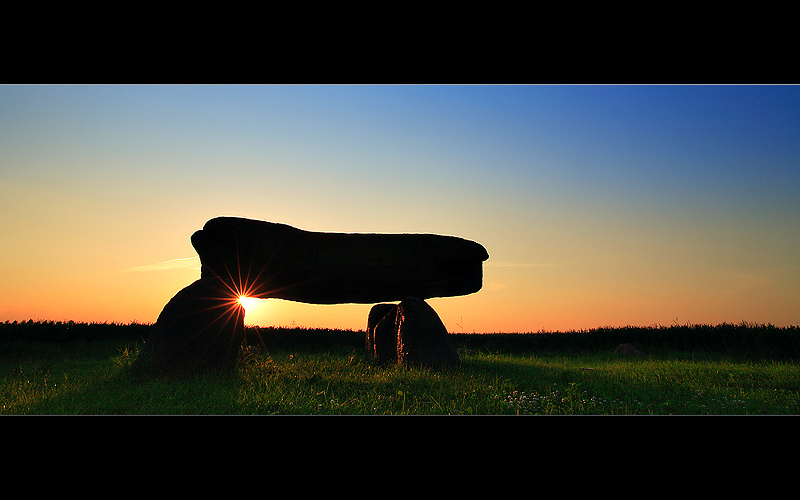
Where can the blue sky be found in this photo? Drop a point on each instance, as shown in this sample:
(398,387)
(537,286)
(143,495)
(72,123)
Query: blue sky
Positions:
(597,204)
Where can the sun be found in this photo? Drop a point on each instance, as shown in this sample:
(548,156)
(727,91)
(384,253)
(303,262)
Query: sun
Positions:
(249,303)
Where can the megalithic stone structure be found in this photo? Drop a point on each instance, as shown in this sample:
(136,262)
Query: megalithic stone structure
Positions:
(269,260)
(202,326)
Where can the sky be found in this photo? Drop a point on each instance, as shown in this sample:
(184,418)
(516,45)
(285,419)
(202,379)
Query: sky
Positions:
(599,205)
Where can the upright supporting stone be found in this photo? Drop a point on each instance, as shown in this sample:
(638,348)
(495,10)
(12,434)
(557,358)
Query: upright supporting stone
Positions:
(200,329)
(422,339)
(382,333)
(411,334)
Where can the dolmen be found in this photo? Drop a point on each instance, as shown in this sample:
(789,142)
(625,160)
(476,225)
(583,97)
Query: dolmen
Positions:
(202,327)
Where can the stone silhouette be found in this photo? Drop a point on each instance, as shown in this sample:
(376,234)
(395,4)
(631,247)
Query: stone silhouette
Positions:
(269,260)
(409,333)
(422,339)
(202,327)
(382,333)
(628,350)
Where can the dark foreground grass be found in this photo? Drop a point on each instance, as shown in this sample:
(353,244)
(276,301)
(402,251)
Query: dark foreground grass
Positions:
(324,372)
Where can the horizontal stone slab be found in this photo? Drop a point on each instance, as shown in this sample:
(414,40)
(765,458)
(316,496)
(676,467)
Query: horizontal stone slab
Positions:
(270,260)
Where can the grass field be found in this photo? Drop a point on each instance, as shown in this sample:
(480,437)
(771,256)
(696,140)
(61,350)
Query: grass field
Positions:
(71,368)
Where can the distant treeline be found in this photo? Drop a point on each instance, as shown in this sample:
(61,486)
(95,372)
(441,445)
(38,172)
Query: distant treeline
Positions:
(748,340)
(753,341)
(66,331)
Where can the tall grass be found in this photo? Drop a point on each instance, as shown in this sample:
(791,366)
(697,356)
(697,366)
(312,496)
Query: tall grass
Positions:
(299,371)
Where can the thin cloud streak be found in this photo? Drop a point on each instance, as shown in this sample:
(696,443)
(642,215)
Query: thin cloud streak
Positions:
(521,264)
(184,263)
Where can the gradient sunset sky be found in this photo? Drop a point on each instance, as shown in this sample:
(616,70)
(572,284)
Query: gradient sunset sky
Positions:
(599,205)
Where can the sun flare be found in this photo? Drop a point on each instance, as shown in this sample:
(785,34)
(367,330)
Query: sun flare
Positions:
(249,303)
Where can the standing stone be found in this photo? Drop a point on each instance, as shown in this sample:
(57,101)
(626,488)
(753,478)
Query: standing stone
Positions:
(382,333)
(628,350)
(422,339)
(200,329)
